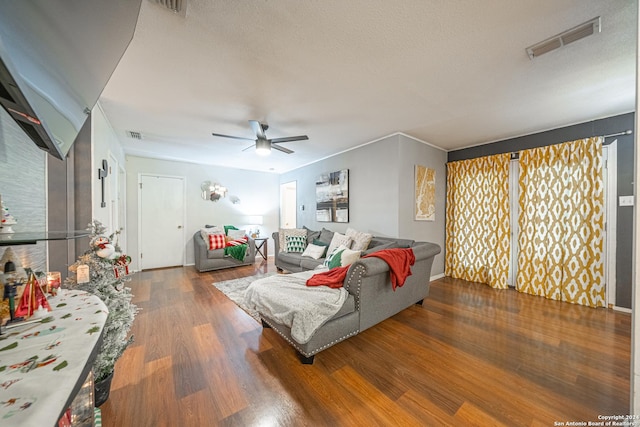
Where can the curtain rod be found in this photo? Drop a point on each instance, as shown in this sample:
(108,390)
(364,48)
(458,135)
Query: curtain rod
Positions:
(626,132)
(516,155)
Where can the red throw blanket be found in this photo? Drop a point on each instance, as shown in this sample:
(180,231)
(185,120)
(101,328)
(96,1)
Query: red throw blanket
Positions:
(333,278)
(399,260)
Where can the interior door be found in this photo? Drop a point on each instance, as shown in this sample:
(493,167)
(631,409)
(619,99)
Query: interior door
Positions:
(288,203)
(162,241)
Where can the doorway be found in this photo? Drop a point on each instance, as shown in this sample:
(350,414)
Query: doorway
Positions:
(288,203)
(161,221)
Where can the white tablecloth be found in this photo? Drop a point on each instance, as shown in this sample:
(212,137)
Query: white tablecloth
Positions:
(41,363)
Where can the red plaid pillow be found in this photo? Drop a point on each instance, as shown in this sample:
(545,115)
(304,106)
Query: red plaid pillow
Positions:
(239,241)
(216,241)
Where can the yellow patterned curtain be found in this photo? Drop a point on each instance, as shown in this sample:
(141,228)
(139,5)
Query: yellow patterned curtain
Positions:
(561,222)
(477,220)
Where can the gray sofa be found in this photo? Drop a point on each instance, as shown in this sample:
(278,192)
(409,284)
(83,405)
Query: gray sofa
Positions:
(371,298)
(207,260)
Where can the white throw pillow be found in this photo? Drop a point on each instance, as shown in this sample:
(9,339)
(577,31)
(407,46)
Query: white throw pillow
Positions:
(349,256)
(314,251)
(337,240)
(204,232)
(360,239)
(236,234)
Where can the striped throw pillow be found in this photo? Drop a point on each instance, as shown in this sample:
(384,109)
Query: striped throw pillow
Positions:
(236,242)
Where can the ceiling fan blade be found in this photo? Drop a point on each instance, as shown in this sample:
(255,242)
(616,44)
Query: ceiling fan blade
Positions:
(290,139)
(257,128)
(229,136)
(279,148)
(249,147)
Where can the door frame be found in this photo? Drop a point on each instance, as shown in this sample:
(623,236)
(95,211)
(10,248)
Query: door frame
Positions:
(184,212)
(122,205)
(288,202)
(113,193)
(514,211)
(610,172)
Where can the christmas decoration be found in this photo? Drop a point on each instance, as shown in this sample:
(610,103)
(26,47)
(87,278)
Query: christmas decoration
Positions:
(104,248)
(7,219)
(122,265)
(9,255)
(33,299)
(102,259)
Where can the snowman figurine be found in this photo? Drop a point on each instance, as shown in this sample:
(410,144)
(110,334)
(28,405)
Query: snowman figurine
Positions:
(104,248)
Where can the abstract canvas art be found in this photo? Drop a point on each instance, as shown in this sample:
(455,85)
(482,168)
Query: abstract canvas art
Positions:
(332,196)
(425,186)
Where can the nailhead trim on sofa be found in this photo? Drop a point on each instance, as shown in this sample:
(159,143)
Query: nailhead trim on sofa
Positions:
(317,350)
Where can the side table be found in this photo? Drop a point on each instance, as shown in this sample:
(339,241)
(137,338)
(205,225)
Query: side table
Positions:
(261,246)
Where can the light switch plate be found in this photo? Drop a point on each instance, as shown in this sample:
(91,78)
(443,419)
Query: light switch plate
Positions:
(625,201)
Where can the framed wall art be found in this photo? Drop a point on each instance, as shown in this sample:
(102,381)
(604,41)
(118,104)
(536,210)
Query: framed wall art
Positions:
(425,197)
(332,196)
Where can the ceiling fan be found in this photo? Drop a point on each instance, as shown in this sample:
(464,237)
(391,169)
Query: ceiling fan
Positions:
(263,144)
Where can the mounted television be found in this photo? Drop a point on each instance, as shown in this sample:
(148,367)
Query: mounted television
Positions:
(56,57)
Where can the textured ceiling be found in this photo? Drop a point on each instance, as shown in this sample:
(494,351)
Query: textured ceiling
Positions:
(450,73)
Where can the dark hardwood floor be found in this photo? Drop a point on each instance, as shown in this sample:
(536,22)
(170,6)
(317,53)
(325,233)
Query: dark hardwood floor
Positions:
(471,355)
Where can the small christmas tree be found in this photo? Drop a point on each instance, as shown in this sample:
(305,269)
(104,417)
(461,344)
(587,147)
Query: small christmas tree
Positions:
(108,271)
(7,219)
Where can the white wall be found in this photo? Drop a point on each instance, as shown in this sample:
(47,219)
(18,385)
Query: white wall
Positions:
(105,145)
(257,191)
(381,190)
(373,188)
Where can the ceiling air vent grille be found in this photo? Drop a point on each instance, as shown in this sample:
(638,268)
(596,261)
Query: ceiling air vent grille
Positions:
(134,135)
(176,6)
(574,34)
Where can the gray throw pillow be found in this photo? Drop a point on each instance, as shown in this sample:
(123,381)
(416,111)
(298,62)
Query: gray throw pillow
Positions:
(311,235)
(325,235)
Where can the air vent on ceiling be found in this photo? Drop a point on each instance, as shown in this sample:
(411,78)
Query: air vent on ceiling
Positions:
(581,31)
(176,6)
(134,135)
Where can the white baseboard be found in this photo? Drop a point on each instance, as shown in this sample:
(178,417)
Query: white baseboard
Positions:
(622,309)
(437,276)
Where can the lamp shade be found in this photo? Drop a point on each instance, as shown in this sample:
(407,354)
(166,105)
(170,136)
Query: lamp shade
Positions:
(254,220)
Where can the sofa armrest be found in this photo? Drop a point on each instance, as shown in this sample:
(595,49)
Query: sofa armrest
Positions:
(251,247)
(276,242)
(200,248)
(373,266)
(371,269)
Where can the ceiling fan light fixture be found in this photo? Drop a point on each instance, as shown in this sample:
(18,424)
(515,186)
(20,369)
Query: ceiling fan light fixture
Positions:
(263,147)
(262,143)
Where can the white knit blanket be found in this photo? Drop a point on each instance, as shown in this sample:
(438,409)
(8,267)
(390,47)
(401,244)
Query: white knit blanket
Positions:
(287,299)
